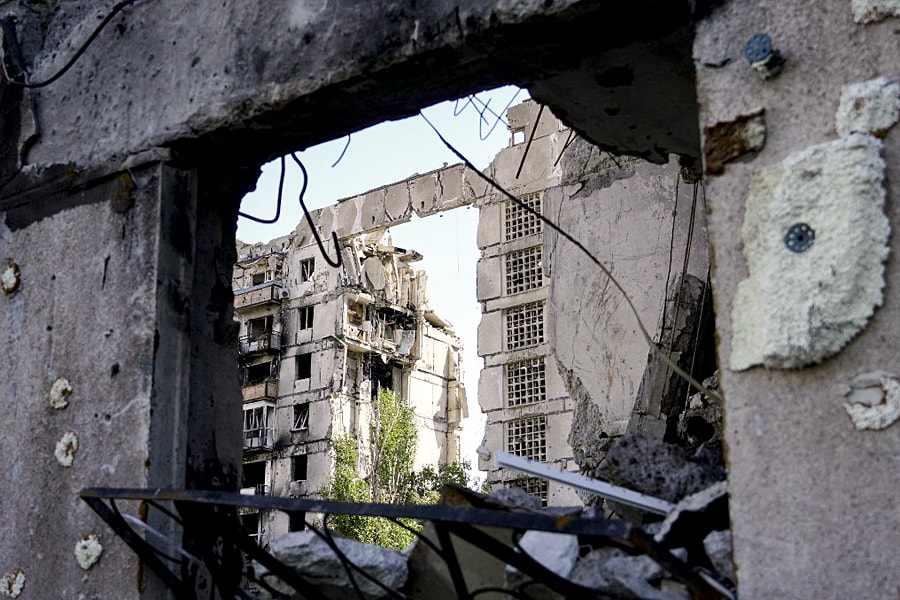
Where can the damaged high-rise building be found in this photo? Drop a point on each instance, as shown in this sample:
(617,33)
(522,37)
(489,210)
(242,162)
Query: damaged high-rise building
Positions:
(316,346)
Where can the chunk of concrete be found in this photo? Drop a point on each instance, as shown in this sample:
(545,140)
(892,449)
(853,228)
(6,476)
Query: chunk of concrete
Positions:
(717,546)
(815,239)
(311,557)
(557,552)
(662,470)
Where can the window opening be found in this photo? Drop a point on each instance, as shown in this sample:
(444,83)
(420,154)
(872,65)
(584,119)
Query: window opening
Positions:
(526,382)
(298,467)
(301,417)
(528,438)
(524,270)
(253,477)
(532,485)
(297,521)
(307,267)
(257,373)
(525,325)
(304,366)
(258,279)
(305,317)
(520,222)
(250,526)
(258,430)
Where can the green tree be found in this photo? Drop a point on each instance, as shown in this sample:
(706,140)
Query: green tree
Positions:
(390,477)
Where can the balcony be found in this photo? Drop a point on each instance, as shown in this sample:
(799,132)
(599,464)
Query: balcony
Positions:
(259,343)
(258,295)
(260,489)
(259,438)
(265,390)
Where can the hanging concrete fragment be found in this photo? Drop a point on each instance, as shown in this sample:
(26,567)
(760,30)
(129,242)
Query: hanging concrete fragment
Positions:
(815,238)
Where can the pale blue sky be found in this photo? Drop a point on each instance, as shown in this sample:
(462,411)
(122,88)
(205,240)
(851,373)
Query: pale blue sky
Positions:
(393,151)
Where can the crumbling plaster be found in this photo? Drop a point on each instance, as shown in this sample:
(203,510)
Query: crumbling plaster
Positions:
(809,492)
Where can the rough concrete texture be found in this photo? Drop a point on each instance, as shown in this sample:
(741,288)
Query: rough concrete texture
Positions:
(871,11)
(623,214)
(809,492)
(611,571)
(313,559)
(873,401)
(656,468)
(717,546)
(868,107)
(800,306)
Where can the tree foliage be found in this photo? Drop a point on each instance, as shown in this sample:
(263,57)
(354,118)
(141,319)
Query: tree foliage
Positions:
(389,478)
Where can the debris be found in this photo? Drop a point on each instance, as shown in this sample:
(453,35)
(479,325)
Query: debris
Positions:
(718,548)
(701,420)
(313,558)
(695,516)
(728,140)
(612,571)
(516,497)
(88,551)
(656,468)
(557,552)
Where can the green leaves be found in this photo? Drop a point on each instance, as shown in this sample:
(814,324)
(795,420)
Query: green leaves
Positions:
(389,476)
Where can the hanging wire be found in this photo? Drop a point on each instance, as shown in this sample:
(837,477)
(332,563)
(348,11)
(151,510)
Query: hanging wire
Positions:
(109,17)
(565,147)
(312,226)
(277,206)
(343,152)
(485,107)
(566,235)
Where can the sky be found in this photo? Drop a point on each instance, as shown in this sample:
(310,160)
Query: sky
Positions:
(393,151)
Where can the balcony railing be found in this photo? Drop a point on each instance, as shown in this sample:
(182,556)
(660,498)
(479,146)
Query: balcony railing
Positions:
(260,489)
(267,341)
(264,293)
(260,438)
(264,390)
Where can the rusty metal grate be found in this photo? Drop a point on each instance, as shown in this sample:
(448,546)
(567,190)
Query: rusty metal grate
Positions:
(214,549)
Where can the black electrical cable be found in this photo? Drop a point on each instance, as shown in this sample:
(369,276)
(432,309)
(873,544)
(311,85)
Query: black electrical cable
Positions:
(115,10)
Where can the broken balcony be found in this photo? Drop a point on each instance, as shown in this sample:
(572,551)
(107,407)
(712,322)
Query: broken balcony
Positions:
(264,390)
(258,343)
(259,438)
(269,292)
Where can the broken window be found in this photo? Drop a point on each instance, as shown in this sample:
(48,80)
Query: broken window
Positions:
(298,467)
(258,430)
(253,478)
(523,270)
(528,438)
(525,325)
(250,526)
(526,382)
(296,521)
(518,136)
(301,417)
(532,485)
(305,317)
(519,221)
(257,373)
(304,366)
(258,279)
(306,269)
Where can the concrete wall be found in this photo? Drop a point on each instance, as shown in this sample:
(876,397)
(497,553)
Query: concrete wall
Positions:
(812,495)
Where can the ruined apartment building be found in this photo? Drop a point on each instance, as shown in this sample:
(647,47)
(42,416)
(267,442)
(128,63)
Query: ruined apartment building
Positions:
(316,345)
(565,364)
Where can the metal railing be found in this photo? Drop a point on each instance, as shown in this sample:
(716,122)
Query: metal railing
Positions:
(259,438)
(267,341)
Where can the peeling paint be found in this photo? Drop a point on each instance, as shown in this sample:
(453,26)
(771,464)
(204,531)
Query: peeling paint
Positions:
(59,393)
(729,140)
(871,11)
(88,551)
(797,308)
(868,107)
(873,401)
(12,583)
(11,278)
(66,448)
